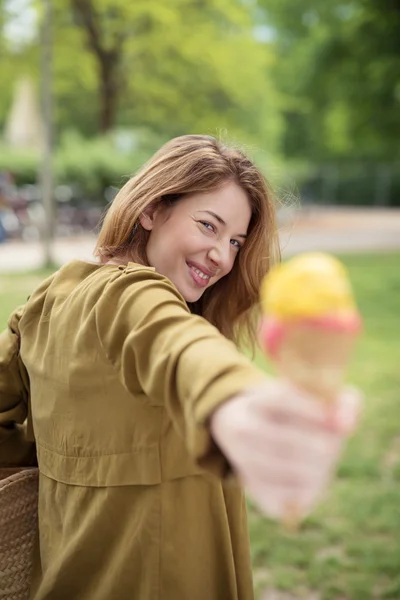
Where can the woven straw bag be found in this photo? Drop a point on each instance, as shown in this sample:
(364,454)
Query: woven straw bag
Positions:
(18,525)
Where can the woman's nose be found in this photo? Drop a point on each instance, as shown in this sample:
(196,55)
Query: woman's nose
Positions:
(220,256)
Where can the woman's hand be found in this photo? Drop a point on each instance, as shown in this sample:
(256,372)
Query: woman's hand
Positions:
(283,443)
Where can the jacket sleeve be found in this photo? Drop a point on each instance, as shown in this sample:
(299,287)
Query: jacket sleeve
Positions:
(177,359)
(15,449)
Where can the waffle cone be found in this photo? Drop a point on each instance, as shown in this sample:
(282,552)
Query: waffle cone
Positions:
(315,358)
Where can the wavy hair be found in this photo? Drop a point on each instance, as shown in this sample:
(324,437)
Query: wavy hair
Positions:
(194,164)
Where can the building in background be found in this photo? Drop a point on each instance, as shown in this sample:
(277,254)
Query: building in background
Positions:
(24,128)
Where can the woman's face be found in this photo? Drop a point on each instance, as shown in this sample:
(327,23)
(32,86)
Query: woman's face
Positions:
(195,242)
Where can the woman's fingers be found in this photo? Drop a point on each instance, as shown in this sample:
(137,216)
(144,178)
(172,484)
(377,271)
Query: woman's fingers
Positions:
(276,482)
(283,443)
(349,408)
(283,402)
(285,455)
(288,443)
(274,495)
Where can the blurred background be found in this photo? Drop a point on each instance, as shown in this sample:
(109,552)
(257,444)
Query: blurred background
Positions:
(91,88)
(311,89)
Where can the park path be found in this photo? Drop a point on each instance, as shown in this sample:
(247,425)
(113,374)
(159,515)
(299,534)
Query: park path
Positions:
(327,229)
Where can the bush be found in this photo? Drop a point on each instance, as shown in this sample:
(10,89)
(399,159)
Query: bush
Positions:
(93,168)
(23,165)
(87,166)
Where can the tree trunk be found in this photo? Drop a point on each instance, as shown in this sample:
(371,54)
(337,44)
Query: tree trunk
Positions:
(109,87)
(108,60)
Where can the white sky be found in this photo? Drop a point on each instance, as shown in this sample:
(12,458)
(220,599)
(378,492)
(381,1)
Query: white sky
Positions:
(21,22)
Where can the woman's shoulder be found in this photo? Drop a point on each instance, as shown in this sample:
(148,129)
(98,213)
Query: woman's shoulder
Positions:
(80,286)
(140,279)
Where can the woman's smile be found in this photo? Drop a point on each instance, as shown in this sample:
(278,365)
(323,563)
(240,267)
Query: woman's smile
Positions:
(199,276)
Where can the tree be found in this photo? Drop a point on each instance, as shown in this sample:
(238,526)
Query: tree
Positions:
(170,67)
(173,67)
(105,41)
(339,76)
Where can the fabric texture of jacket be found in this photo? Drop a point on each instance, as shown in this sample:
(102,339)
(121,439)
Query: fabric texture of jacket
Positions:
(121,379)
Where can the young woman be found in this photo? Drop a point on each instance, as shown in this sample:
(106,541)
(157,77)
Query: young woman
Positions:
(142,406)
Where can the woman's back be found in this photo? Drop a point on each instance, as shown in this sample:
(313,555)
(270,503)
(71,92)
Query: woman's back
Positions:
(123,504)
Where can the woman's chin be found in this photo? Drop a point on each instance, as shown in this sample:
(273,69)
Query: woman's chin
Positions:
(190,292)
(192,297)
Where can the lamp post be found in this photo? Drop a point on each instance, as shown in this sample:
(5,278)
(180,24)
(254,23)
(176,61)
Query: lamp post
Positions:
(47,118)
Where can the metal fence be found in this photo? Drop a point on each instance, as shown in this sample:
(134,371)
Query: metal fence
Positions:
(360,184)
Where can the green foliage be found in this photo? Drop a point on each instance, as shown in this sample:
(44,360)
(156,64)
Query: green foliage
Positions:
(338,72)
(22,164)
(96,163)
(180,67)
(88,165)
(309,81)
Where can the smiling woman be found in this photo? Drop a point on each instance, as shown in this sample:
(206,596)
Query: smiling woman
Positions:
(140,409)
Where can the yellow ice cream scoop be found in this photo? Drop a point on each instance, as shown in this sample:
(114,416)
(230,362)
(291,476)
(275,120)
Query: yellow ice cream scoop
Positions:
(309,285)
(310,321)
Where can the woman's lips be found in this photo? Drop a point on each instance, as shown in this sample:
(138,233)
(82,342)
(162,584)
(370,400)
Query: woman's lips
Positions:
(199,281)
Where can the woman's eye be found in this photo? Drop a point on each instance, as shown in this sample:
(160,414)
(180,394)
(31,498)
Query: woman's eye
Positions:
(237,244)
(207,225)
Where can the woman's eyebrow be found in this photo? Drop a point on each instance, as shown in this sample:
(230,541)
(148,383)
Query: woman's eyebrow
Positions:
(220,220)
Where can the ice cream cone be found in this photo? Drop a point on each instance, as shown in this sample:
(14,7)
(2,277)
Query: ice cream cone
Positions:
(309,329)
(291,516)
(315,358)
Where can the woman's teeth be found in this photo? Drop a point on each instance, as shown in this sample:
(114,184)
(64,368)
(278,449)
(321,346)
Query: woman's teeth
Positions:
(200,273)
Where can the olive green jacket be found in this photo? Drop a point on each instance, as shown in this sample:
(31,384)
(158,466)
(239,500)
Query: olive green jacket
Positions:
(121,379)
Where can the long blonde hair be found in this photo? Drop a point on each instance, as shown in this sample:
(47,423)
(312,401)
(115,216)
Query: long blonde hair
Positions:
(194,164)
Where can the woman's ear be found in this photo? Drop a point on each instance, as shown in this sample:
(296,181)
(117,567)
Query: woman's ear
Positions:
(146,221)
(148,217)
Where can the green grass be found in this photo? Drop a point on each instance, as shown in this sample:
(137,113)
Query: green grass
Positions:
(349,549)
(14,290)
